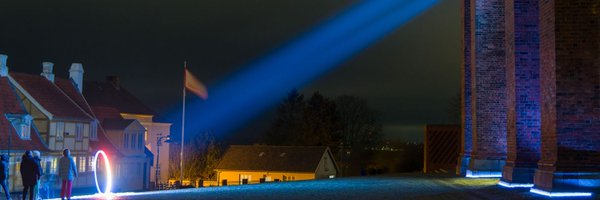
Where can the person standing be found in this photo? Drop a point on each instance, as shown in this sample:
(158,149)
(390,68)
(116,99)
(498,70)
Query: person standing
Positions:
(67,171)
(37,159)
(30,174)
(4,175)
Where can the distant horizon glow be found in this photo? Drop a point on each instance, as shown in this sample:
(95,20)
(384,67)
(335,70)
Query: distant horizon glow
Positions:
(261,85)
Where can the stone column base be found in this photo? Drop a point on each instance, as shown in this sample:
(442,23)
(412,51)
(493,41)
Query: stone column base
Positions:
(552,181)
(485,168)
(515,175)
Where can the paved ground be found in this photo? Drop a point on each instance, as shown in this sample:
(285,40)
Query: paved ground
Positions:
(404,186)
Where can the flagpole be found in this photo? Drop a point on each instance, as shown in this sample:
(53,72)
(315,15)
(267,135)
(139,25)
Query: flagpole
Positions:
(182,126)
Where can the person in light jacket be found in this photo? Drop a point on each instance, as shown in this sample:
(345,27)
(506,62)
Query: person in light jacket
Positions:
(67,171)
(4,175)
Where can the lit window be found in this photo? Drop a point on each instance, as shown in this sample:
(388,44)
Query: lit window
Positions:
(21,124)
(82,163)
(247,178)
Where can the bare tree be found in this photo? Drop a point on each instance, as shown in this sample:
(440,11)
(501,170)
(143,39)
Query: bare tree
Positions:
(202,155)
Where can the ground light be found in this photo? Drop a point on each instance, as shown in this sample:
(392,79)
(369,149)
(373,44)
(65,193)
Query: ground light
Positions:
(108,173)
(560,194)
(470,174)
(515,185)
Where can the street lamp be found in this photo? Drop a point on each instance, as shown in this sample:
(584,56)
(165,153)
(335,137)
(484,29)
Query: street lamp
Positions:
(159,139)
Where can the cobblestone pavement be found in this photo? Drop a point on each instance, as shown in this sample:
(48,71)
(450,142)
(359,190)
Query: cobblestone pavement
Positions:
(402,186)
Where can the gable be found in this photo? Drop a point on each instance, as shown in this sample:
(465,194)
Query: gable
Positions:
(48,97)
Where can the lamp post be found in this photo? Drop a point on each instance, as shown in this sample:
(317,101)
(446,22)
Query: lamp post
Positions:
(158,144)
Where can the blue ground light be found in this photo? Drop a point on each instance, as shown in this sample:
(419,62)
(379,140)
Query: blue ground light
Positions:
(263,84)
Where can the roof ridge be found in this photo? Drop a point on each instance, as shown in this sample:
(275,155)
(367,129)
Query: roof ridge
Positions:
(73,101)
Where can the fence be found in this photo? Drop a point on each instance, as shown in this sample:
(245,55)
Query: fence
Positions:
(442,148)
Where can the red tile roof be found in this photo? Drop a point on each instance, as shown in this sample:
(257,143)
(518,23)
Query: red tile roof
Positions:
(68,87)
(102,143)
(51,97)
(108,95)
(9,104)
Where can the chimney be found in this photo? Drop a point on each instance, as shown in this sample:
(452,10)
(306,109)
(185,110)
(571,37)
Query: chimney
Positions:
(76,74)
(114,81)
(3,67)
(47,71)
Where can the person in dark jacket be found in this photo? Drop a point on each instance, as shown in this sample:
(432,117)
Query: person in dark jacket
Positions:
(4,174)
(37,158)
(30,174)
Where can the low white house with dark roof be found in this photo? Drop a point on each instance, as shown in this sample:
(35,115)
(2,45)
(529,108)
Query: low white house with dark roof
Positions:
(255,164)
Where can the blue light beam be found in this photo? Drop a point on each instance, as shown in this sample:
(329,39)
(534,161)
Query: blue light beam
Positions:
(265,83)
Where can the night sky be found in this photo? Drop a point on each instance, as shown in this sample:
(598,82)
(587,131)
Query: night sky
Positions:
(409,76)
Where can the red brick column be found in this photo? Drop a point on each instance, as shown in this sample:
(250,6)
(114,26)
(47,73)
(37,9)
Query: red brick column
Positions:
(488,98)
(466,114)
(523,90)
(570,96)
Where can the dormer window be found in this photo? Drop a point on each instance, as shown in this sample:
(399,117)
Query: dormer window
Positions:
(22,125)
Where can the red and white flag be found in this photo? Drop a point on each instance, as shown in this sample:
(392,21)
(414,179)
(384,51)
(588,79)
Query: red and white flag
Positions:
(195,86)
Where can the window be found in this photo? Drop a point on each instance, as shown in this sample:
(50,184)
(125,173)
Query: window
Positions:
(54,165)
(82,163)
(126,141)
(60,130)
(94,130)
(21,124)
(133,141)
(90,163)
(70,130)
(79,131)
(141,141)
(245,179)
(325,163)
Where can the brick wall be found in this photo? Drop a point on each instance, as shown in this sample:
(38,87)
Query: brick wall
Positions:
(523,83)
(571,78)
(466,115)
(570,95)
(489,82)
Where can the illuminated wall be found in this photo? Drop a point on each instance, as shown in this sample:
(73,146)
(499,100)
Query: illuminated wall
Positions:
(466,111)
(523,90)
(488,82)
